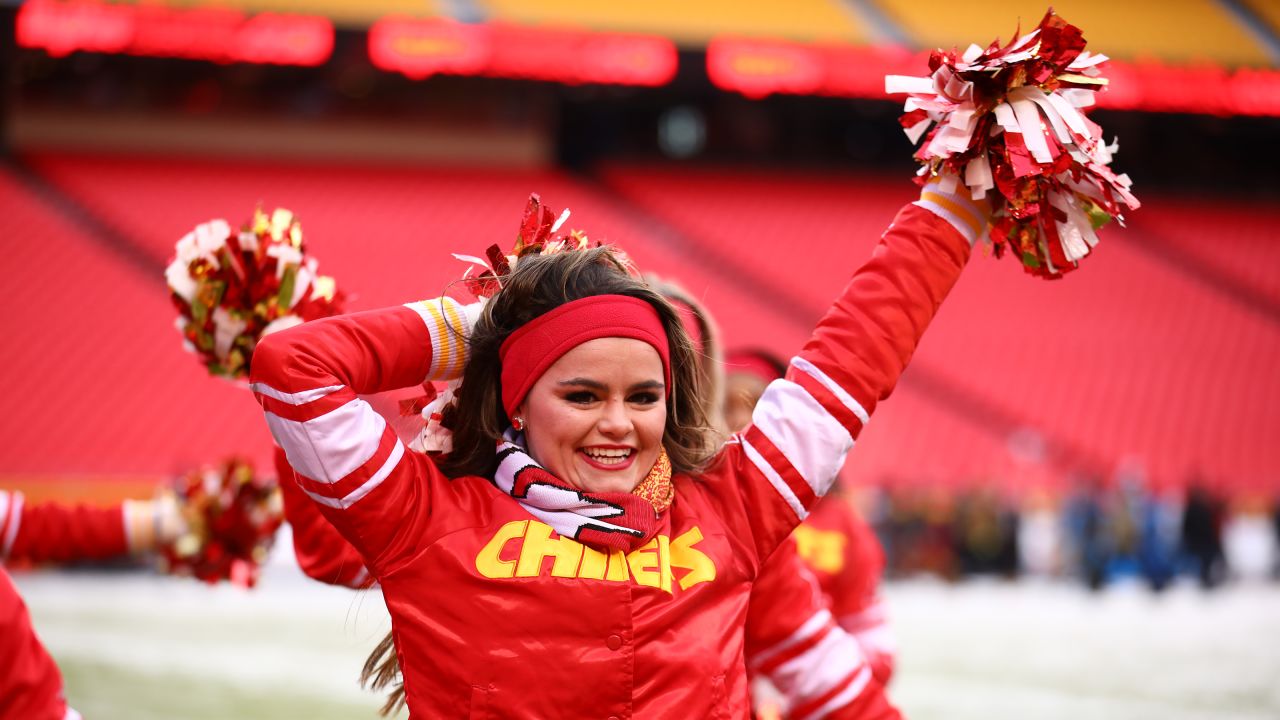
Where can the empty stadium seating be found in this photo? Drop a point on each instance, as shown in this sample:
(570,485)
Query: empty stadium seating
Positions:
(1233,239)
(1019,380)
(98,383)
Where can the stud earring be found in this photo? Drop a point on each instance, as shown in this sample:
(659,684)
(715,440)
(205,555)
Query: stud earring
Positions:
(517,422)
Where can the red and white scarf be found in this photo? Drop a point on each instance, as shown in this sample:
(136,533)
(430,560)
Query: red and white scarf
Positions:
(602,520)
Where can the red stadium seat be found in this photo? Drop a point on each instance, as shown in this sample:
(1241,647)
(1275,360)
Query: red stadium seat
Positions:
(1131,356)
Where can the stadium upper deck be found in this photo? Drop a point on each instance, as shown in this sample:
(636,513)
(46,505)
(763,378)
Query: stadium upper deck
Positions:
(1227,33)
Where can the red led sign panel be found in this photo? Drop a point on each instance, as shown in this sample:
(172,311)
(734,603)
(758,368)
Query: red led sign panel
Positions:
(758,68)
(221,35)
(420,48)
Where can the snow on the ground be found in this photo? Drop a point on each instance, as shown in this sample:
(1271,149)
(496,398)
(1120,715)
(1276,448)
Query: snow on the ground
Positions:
(973,650)
(1028,650)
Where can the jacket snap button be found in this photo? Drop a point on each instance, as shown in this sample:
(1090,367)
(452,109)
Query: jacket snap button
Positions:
(614,642)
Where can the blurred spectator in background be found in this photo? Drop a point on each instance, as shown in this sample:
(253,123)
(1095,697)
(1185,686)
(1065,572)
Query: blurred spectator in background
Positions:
(1202,534)
(1099,531)
(1040,536)
(1275,523)
(1159,526)
(1155,523)
(921,532)
(987,535)
(1089,530)
(1247,540)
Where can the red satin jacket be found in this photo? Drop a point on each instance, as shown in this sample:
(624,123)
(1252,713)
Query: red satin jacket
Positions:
(496,616)
(845,556)
(55,533)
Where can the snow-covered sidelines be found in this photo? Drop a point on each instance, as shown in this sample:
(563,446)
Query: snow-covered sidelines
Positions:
(178,641)
(141,646)
(1055,651)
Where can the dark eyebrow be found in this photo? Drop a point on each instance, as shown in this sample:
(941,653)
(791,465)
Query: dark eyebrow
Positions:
(597,385)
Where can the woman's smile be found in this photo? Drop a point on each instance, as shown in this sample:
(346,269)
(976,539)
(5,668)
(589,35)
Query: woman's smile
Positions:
(608,458)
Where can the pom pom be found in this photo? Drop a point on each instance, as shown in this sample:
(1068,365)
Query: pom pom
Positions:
(1009,120)
(230,288)
(230,516)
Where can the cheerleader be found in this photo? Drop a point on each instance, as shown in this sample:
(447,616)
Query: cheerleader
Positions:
(52,533)
(791,636)
(581,550)
(834,542)
(30,684)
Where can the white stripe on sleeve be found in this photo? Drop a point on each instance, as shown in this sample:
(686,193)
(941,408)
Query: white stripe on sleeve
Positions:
(810,628)
(332,446)
(298,398)
(4,509)
(820,669)
(832,386)
(774,479)
(812,440)
(15,519)
(854,689)
(878,639)
(374,481)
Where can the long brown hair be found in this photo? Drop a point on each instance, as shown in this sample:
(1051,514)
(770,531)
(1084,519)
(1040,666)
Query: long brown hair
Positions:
(539,284)
(708,352)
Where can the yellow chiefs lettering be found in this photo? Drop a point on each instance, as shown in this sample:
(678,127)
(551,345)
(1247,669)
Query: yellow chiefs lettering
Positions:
(521,547)
(822,550)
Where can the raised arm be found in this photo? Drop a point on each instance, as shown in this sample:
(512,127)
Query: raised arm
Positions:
(344,456)
(805,424)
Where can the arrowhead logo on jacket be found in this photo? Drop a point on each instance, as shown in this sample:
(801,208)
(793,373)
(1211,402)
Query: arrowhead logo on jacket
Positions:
(519,549)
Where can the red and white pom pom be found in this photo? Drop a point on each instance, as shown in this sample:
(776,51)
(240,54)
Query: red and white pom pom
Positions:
(230,288)
(230,517)
(1009,120)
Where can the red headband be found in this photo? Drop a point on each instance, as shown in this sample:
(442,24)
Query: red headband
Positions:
(529,351)
(751,363)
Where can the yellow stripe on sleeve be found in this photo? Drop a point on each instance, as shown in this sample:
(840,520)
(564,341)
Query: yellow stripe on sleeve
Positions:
(442,355)
(457,332)
(961,211)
